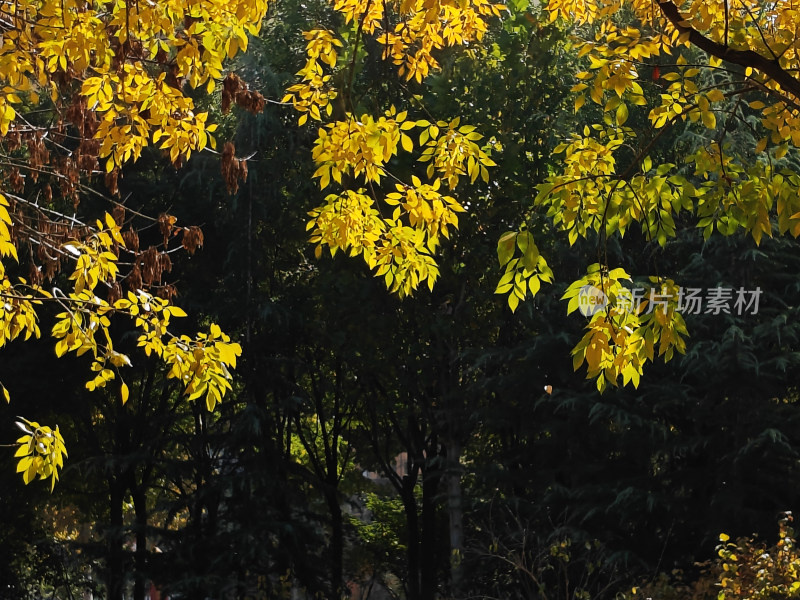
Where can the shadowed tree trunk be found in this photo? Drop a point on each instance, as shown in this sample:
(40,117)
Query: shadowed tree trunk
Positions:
(140,511)
(337,540)
(456,515)
(412,526)
(428,548)
(116,557)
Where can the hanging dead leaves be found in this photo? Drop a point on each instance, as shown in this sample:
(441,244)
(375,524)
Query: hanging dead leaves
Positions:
(234,90)
(233,169)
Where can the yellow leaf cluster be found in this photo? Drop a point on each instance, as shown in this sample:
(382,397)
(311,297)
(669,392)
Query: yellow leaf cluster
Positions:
(524,273)
(684,99)
(747,79)
(748,569)
(348,221)
(403,259)
(399,248)
(759,39)
(131,58)
(622,336)
(7,247)
(614,55)
(726,195)
(314,92)
(369,14)
(202,364)
(418,29)
(358,149)
(18,315)
(424,27)
(401,254)
(451,152)
(117,71)
(40,451)
(426,208)
(358,146)
(576,198)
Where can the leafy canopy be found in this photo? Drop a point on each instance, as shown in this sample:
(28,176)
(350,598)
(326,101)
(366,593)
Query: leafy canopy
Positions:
(394,220)
(722,71)
(86,86)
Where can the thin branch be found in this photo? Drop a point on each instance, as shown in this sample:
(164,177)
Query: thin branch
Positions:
(758,27)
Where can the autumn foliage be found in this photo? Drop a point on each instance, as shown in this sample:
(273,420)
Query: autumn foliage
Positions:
(86,88)
(89,86)
(712,68)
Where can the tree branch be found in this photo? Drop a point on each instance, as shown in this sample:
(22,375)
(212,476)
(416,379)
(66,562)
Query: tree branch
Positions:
(744,58)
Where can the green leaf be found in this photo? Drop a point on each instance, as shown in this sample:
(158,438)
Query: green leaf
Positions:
(530,255)
(505,247)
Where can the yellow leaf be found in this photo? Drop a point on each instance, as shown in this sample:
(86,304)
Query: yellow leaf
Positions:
(123,391)
(233,47)
(622,114)
(177,311)
(513,302)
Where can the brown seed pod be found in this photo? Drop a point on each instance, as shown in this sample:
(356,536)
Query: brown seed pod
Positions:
(165,225)
(134,279)
(192,238)
(118,213)
(131,239)
(111,182)
(114,292)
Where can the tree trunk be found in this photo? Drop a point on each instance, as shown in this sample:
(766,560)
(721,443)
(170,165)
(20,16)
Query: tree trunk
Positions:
(116,557)
(455,511)
(140,509)
(337,540)
(412,526)
(427,565)
(197,513)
